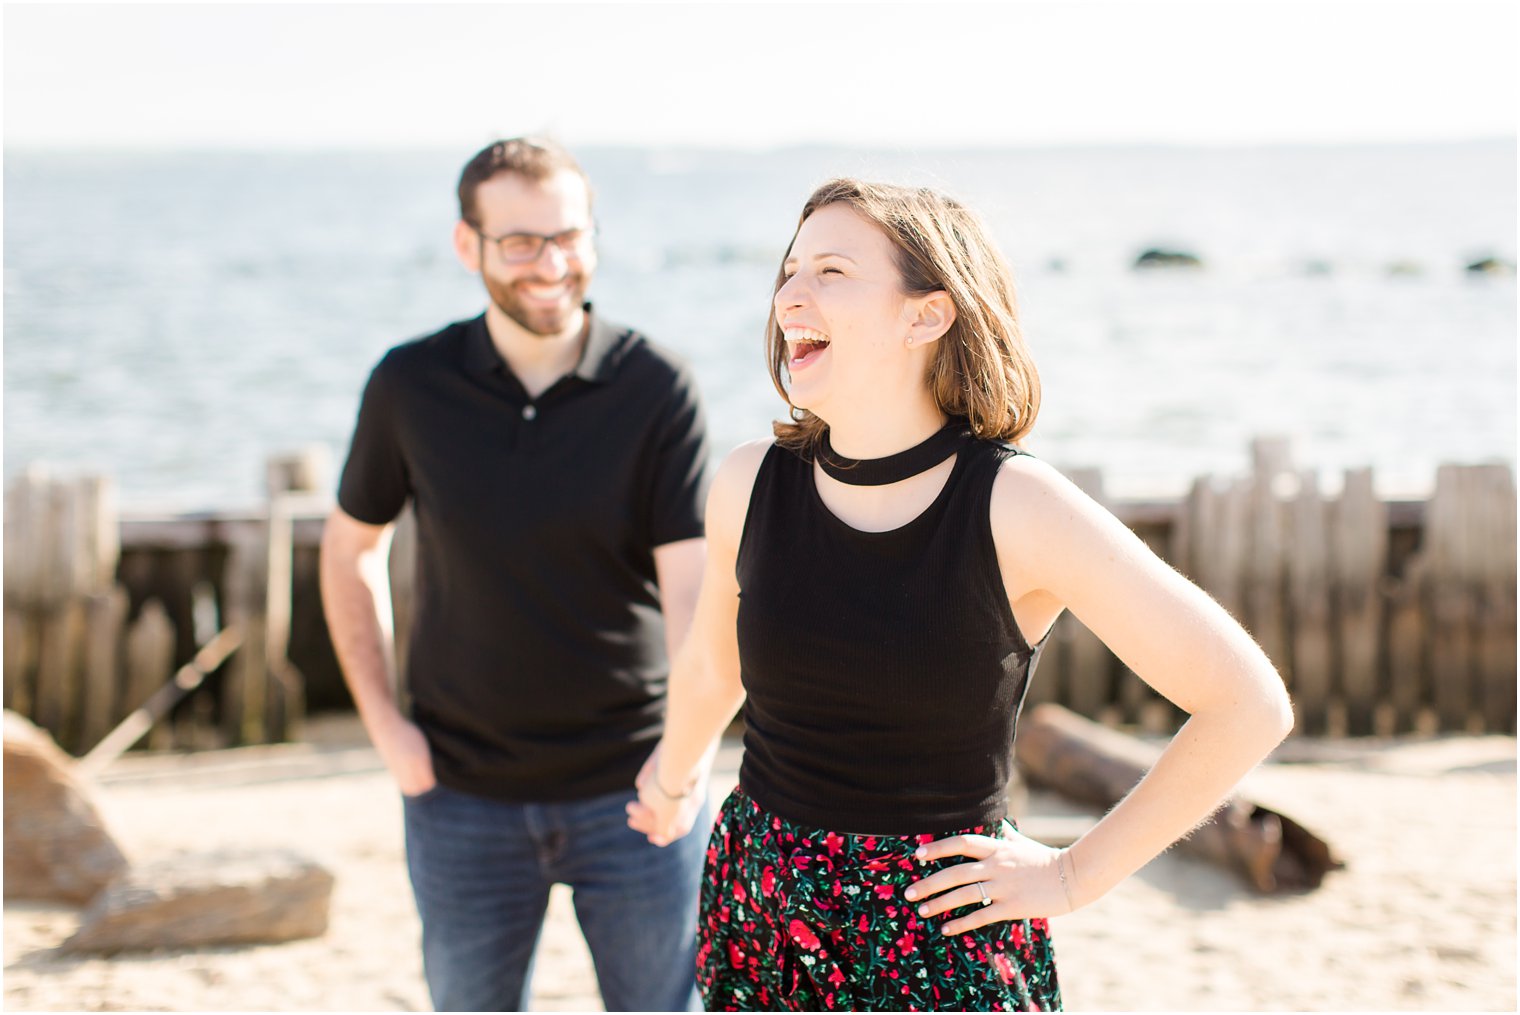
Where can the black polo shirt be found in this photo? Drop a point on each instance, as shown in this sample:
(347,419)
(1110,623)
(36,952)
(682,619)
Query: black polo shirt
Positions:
(537,664)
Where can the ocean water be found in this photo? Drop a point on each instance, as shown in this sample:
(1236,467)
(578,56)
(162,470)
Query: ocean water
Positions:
(172,318)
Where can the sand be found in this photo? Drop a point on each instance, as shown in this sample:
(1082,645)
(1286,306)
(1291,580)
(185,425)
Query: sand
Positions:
(1423,918)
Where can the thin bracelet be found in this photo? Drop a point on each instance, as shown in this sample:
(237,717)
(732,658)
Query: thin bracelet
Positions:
(1061,870)
(655,779)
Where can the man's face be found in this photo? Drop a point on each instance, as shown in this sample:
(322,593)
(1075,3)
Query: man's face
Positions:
(543,294)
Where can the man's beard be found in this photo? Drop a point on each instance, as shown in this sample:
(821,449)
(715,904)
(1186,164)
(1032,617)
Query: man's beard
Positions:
(546,322)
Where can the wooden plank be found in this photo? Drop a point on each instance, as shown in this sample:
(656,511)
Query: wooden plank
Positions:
(1231,545)
(285,705)
(26,514)
(1308,569)
(307,470)
(1265,566)
(150,662)
(58,673)
(1452,603)
(20,660)
(105,618)
(1097,766)
(1495,507)
(244,688)
(162,700)
(1409,672)
(1358,552)
(97,535)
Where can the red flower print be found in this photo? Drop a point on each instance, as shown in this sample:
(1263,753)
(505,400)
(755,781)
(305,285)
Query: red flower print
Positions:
(735,955)
(834,842)
(1004,967)
(907,944)
(803,935)
(836,977)
(1018,935)
(768,881)
(801,862)
(892,912)
(739,893)
(864,924)
(885,891)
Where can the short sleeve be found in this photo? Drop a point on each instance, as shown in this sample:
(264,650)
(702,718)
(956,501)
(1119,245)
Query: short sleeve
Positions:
(375,482)
(678,486)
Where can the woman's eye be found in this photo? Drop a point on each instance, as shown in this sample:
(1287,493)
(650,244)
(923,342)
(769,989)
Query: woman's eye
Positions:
(831,271)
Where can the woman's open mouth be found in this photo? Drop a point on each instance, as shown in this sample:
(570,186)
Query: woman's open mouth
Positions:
(804,346)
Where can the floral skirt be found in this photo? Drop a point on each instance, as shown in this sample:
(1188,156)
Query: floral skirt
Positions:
(804,919)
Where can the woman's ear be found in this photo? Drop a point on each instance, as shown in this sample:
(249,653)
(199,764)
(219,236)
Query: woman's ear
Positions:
(467,245)
(935,315)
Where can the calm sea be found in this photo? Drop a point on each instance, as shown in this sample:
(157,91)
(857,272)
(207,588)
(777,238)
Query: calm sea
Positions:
(170,319)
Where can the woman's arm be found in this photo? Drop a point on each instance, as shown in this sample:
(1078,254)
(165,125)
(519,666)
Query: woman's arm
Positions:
(705,690)
(1058,548)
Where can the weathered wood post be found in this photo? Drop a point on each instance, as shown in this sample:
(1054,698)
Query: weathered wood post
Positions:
(245,687)
(1309,605)
(1496,599)
(61,543)
(105,621)
(1358,554)
(150,663)
(1470,596)
(1265,564)
(1454,553)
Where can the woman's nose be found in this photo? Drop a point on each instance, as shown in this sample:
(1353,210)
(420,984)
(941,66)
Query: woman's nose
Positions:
(790,296)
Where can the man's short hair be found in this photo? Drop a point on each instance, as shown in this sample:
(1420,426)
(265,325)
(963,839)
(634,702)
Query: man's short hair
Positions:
(533,158)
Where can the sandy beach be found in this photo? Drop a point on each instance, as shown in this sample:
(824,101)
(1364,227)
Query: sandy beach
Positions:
(1422,918)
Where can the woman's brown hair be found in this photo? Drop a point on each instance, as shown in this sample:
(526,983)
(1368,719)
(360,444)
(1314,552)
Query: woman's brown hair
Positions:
(980,368)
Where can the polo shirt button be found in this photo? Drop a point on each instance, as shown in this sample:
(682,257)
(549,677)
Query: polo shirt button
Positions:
(529,412)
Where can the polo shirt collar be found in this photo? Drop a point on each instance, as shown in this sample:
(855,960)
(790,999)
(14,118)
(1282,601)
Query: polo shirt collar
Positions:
(605,345)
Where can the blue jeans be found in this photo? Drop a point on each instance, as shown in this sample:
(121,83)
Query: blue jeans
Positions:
(481,870)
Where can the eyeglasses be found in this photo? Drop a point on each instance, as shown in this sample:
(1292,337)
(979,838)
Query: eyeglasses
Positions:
(524,248)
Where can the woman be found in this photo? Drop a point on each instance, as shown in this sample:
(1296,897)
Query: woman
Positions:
(879,581)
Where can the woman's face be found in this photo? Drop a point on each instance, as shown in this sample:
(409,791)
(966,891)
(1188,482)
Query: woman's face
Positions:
(843,313)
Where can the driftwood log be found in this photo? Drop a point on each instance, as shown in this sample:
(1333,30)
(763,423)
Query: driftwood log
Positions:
(1058,749)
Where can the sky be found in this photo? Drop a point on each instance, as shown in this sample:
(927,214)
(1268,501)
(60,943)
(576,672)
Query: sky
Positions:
(757,76)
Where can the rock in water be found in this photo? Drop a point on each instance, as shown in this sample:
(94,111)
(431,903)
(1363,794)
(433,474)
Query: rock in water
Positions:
(1491,266)
(1157,258)
(56,845)
(214,898)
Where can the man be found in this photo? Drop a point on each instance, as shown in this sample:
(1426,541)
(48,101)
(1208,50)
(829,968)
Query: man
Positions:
(555,463)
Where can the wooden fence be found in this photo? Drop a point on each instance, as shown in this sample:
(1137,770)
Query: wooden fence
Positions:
(1382,616)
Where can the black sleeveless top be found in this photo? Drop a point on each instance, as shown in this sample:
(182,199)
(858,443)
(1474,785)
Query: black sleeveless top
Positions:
(884,670)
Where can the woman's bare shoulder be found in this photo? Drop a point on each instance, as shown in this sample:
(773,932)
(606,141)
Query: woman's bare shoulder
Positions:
(1044,514)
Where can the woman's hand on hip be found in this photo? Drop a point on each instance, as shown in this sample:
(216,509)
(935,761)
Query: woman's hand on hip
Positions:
(1020,879)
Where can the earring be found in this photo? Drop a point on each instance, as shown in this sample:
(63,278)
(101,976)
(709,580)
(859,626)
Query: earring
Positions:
(910,341)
